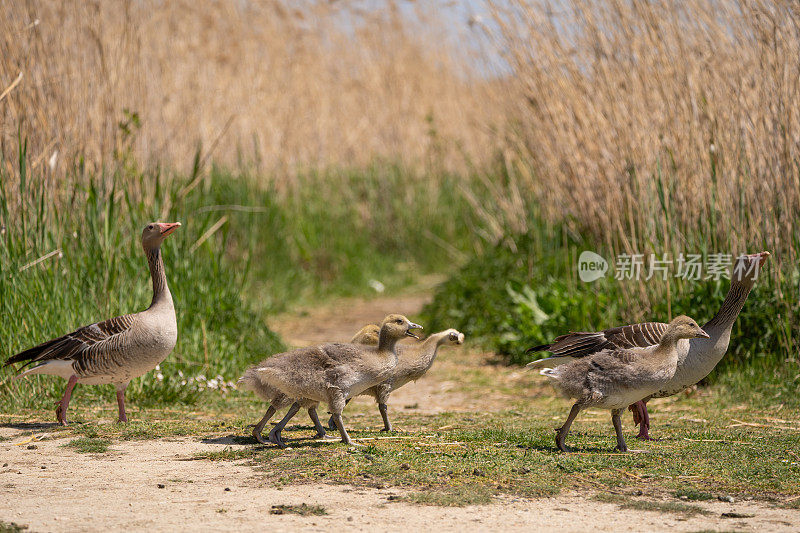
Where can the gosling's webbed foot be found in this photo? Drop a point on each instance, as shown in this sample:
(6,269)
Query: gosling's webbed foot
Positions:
(560,442)
(275,438)
(320,435)
(622,448)
(259,437)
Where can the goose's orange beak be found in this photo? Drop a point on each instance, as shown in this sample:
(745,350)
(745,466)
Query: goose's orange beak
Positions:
(168,227)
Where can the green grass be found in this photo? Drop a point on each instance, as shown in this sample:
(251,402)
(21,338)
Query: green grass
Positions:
(648,505)
(11,527)
(793,504)
(512,452)
(89,445)
(456,497)
(302,510)
(511,299)
(708,446)
(693,495)
(335,234)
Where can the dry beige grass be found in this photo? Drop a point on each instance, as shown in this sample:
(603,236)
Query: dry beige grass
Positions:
(656,126)
(650,126)
(618,100)
(278,85)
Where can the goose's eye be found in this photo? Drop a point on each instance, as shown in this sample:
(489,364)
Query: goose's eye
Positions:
(399,321)
(150,226)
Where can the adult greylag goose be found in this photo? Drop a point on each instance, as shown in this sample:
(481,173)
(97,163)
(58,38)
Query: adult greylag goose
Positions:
(116,350)
(332,373)
(614,378)
(697,357)
(413,363)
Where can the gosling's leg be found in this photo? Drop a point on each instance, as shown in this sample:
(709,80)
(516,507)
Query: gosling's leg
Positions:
(331,422)
(337,418)
(260,426)
(336,402)
(563,431)
(312,413)
(381,393)
(387,426)
(275,434)
(616,420)
(63,405)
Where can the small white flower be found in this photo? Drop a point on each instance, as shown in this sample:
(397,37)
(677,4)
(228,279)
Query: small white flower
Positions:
(376,285)
(160,376)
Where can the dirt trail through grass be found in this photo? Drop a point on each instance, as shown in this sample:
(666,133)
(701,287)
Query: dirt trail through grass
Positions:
(159,485)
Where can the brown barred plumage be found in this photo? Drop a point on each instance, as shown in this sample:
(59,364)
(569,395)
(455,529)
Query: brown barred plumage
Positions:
(583,343)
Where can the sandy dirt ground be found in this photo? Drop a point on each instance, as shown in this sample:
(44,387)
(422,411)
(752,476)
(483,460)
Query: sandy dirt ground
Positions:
(156,486)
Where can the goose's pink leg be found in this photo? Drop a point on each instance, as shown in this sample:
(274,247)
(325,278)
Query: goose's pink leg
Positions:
(635,408)
(121,404)
(61,407)
(642,418)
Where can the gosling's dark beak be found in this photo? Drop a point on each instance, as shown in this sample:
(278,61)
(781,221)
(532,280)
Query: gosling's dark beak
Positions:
(702,335)
(411,326)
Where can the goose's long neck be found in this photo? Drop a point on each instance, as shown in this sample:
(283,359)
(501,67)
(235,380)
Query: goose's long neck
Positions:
(730,309)
(161,294)
(426,354)
(669,344)
(386,343)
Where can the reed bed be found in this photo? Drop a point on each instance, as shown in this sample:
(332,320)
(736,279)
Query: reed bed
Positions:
(636,127)
(655,127)
(277,86)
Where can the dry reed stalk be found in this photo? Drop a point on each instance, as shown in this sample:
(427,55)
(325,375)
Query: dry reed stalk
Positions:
(657,126)
(307,84)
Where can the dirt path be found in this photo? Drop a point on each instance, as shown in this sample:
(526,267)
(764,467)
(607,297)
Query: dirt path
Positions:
(155,485)
(150,485)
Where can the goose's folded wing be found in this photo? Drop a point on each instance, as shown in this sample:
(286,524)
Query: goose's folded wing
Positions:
(636,335)
(623,356)
(80,344)
(583,343)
